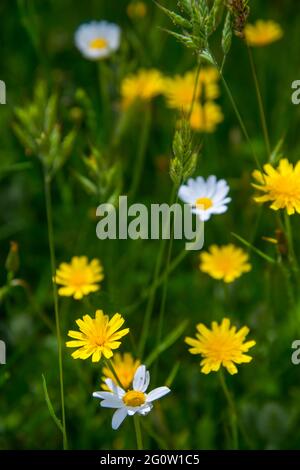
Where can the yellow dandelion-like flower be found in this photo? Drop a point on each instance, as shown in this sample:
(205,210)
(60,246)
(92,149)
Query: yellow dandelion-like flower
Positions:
(179,90)
(205,118)
(225,262)
(97,336)
(144,85)
(263,33)
(137,10)
(281,186)
(79,277)
(223,346)
(125,366)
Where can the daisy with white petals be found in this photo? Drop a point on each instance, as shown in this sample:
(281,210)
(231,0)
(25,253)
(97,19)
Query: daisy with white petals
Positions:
(97,39)
(132,401)
(205,197)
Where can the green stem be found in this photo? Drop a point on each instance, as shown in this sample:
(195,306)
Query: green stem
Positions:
(289,236)
(141,153)
(157,282)
(47,185)
(195,87)
(104,95)
(238,114)
(138,432)
(260,104)
(109,364)
(232,410)
(152,290)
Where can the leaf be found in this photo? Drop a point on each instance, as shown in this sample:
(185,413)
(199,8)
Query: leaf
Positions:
(166,343)
(50,407)
(177,19)
(256,250)
(172,374)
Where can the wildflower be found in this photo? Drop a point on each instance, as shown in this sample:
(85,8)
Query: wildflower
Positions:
(223,346)
(225,262)
(263,33)
(132,401)
(205,118)
(144,85)
(281,186)
(79,277)
(97,336)
(125,367)
(136,10)
(180,90)
(97,39)
(206,197)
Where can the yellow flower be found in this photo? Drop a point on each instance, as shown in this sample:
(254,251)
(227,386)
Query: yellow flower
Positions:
(79,278)
(97,336)
(137,10)
(225,262)
(179,91)
(205,118)
(280,186)
(125,367)
(144,85)
(263,33)
(223,346)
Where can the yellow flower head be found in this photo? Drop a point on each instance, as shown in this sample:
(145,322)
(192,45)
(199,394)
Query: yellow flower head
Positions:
(144,85)
(205,118)
(97,336)
(223,346)
(136,10)
(263,33)
(125,367)
(281,186)
(225,262)
(79,277)
(179,91)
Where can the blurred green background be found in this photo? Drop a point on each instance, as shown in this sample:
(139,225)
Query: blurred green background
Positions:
(194,416)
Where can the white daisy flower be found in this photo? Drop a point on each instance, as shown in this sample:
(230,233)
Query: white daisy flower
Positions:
(133,401)
(97,39)
(206,197)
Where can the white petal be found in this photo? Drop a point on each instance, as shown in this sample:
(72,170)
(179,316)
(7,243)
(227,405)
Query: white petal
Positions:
(112,403)
(157,393)
(118,418)
(147,381)
(211,186)
(139,378)
(220,209)
(115,388)
(186,194)
(103,395)
(145,409)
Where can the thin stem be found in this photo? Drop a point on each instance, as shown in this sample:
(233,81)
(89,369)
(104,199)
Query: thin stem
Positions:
(138,432)
(157,281)
(150,304)
(141,153)
(238,114)
(152,290)
(109,364)
(47,185)
(165,288)
(289,236)
(104,95)
(195,87)
(260,103)
(232,410)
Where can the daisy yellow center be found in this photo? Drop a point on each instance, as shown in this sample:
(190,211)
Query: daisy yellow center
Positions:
(98,43)
(79,278)
(204,203)
(134,398)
